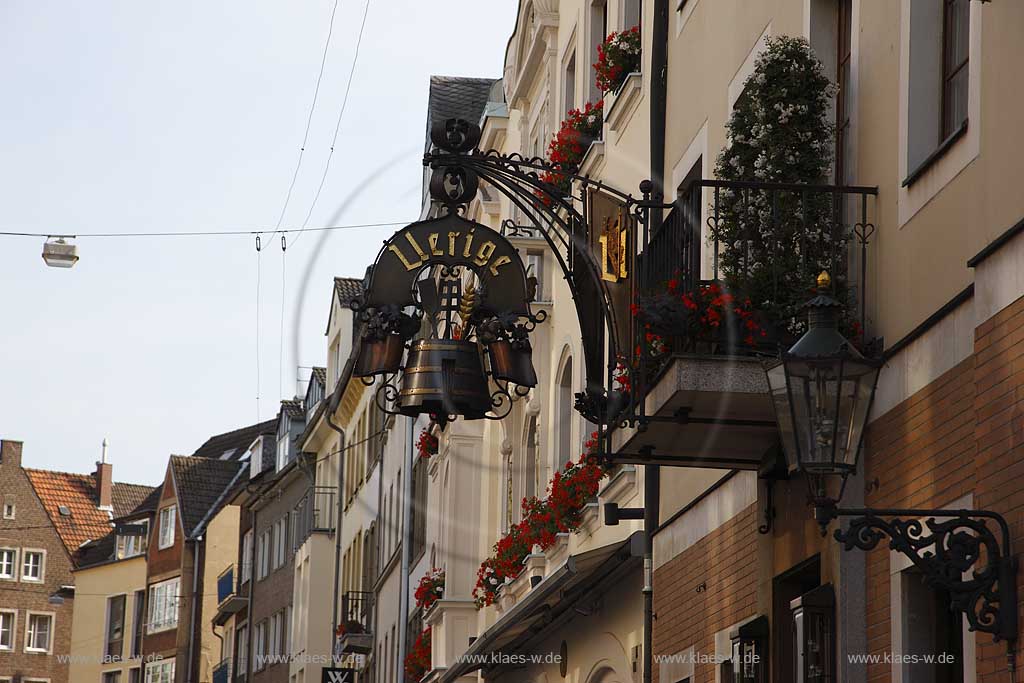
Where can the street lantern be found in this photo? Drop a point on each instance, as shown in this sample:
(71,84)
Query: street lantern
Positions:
(822,392)
(58,253)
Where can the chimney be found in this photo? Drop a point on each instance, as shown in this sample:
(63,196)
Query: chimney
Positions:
(104,480)
(10,453)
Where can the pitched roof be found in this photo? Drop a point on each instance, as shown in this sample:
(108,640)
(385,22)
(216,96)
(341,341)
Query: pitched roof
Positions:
(292,407)
(77,493)
(320,374)
(347,288)
(232,445)
(201,484)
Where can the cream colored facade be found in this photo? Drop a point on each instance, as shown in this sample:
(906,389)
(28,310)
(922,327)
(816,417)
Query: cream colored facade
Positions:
(94,586)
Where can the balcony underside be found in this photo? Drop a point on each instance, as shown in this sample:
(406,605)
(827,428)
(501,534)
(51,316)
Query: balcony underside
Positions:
(227,609)
(705,411)
(355,644)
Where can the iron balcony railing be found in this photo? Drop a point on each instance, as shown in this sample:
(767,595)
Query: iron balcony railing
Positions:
(222,672)
(357,612)
(719,230)
(315,511)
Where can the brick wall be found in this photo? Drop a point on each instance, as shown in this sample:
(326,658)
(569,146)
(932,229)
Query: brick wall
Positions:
(31,528)
(962,434)
(689,614)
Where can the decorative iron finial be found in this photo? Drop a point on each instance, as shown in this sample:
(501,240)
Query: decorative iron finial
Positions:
(824,280)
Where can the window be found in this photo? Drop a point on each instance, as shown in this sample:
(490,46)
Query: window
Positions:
(632,13)
(33,565)
(259,645)
(282,452)
(598,33)
(160,672)
(38,628)
(247,556)
(930,627)
(843,108)
(135,675)
(938,82)
(8,619)
(163,607)
(167,516)
(8,561)
(138,619)
(263,555)
(570,85)
(242,649)
(419,510)
(535,268)
(115,627)
(112,677)
(280,541)
(132,541)
(565,416)
(274,637)
(955,33)
(9,506)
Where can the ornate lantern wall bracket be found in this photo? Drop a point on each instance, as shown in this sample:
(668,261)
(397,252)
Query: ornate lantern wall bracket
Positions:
(822,391)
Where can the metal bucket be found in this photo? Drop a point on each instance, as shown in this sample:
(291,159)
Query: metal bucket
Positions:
(379,357)
(511,364)
(444,377)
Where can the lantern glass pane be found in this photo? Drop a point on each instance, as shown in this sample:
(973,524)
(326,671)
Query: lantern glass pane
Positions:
(857,385)
(813,387)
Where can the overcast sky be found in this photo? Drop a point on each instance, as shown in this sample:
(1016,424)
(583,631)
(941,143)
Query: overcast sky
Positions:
(188,115)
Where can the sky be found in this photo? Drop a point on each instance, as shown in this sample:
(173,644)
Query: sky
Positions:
(189,115)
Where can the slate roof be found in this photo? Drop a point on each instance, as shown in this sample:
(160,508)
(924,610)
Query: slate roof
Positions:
(457,97)
(321,375)
(347,288)
(201,485)
(78,493)
(232,445)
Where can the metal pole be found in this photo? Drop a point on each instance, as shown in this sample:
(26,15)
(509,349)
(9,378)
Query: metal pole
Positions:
(652,503)
(403,598)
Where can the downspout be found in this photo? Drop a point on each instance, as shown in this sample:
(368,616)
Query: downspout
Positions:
(251,626)
(197,546)
(403,598)
(652,473)
(652,504)
(339,389)
(659,106)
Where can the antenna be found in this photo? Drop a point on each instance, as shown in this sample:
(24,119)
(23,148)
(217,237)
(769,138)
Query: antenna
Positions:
(103,457)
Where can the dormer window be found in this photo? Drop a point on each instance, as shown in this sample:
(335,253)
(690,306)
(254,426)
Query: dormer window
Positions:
(132,539)
(256,458)
(282,451)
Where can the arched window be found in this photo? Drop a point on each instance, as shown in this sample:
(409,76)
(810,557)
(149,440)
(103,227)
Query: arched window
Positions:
(531,466)
(565,415)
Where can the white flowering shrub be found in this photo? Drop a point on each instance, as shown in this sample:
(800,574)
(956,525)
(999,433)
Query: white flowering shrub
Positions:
(773,246)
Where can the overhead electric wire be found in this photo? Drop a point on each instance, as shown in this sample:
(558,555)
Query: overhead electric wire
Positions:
(309,117)
(201,233)
(337,124)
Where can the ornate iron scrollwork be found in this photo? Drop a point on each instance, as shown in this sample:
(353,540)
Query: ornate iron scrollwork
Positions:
(945,545)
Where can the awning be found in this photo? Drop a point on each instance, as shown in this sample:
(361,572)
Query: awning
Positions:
(550,603)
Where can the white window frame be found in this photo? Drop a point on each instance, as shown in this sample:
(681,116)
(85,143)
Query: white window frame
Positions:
(263,555)
(50,634)
(15,565)
(247,556)
(241,653)
(259,646)
(282,451)
(132,545)
(280,536)
(274,635)
(166,535)
(161,664)
(154,626)
(25,552)
(13,613)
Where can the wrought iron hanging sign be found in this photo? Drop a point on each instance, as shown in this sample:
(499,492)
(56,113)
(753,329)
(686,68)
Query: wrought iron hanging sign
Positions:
(445,295)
